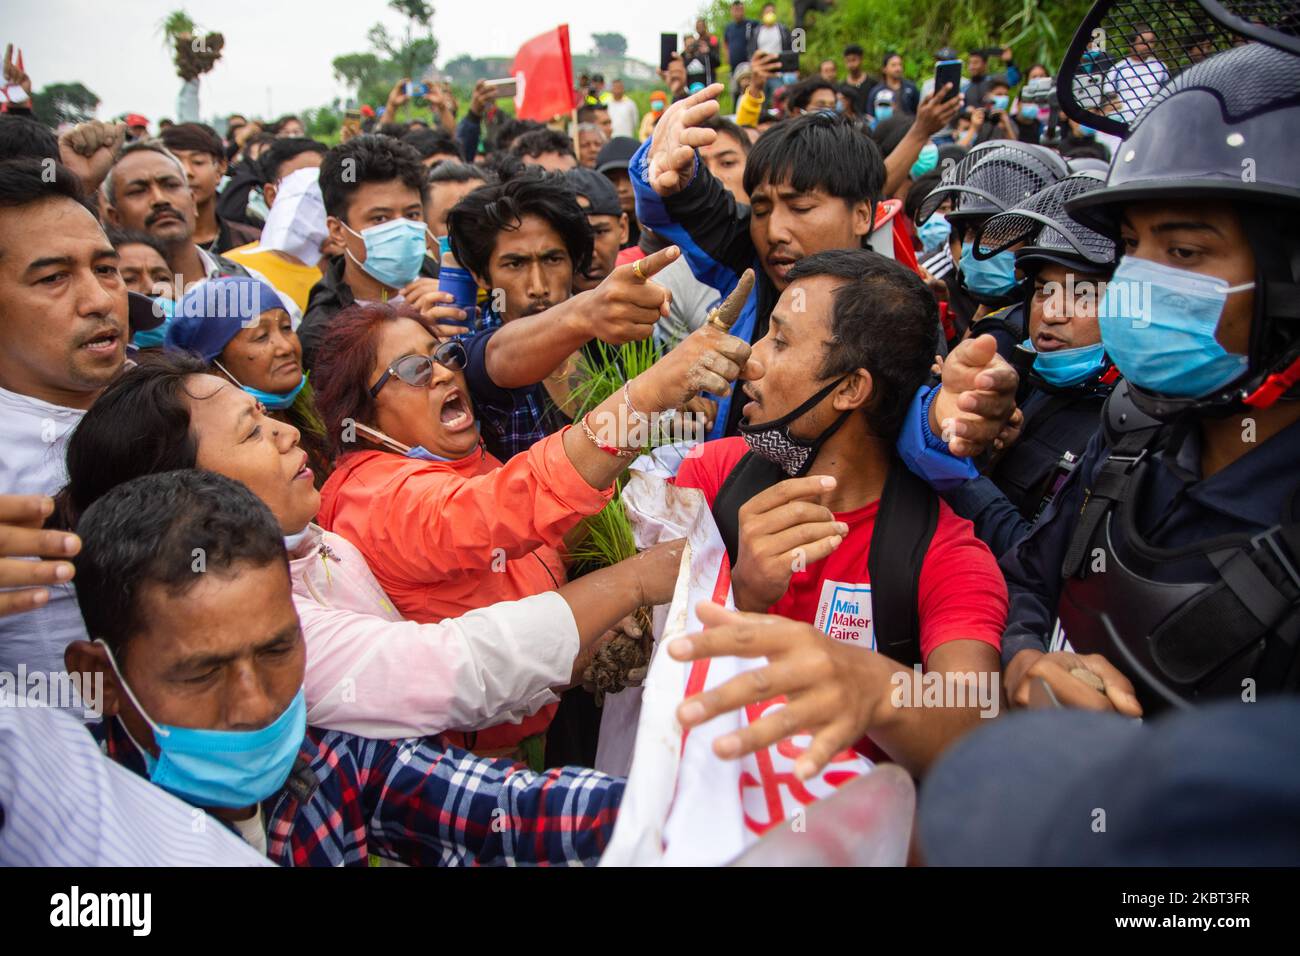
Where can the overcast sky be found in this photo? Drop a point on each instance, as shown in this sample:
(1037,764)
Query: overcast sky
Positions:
(278,52)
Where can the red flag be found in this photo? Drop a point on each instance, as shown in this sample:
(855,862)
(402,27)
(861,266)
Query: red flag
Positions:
(543,68)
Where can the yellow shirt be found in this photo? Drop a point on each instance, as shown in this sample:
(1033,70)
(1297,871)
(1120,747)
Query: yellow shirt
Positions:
(749,109)
(288,276)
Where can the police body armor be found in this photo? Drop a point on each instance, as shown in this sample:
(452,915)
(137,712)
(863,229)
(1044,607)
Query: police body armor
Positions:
(1225,617)
(1059,423)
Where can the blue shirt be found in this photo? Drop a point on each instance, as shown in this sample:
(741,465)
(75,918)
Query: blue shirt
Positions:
(737,37)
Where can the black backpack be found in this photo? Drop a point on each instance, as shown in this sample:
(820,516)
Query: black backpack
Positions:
(905,523)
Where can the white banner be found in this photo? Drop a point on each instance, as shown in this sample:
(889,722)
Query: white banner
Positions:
(684,805)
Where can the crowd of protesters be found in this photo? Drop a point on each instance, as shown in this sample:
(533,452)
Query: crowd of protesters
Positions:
(306,423)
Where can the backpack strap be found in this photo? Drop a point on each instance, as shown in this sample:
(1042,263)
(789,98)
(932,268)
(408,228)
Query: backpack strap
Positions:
(752,474)
(905,525)
(1129,434)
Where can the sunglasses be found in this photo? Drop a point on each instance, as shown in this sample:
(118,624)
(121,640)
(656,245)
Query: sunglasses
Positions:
(417,370)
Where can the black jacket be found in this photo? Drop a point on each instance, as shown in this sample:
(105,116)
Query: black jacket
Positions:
(330,296)
(232,202)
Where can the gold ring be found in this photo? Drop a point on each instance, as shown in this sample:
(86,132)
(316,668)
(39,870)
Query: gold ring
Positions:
(715,320)
(636,269)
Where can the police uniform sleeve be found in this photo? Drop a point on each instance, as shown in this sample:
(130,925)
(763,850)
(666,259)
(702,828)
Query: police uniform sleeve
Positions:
(1033,568)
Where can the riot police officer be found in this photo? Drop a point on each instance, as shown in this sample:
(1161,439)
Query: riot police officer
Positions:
(1062,363)
(1167,570)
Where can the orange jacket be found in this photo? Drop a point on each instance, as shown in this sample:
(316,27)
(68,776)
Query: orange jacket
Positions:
(443,538)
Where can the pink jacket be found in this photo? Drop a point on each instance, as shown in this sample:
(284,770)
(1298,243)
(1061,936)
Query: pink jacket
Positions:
(369,672)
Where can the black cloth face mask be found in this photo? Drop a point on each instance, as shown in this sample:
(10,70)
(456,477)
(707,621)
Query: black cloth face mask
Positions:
(773,441)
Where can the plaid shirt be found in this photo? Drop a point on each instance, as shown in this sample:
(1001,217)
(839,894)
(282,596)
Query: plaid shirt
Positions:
(421,803)
(514,419)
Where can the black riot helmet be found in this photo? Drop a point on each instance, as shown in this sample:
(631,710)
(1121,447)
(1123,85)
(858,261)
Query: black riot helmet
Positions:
(991,178)
(1225,129)
(1047,231)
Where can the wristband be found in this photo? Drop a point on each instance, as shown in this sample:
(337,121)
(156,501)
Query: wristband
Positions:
(607,449)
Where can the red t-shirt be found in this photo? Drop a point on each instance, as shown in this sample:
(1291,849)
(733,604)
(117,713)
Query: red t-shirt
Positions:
(961,593)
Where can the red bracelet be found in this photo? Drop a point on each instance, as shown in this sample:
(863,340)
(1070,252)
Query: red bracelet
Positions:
(607,449)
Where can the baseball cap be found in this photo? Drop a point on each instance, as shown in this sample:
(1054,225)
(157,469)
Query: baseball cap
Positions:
(616,154)
(599,192)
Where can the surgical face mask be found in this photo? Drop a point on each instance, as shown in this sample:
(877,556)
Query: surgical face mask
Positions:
(991,277)
(1066,367)
(1001,101)
(657,106)
(295,225)
(277,401)
(444,245)
(1158,324)
(222,768)
(883,113)
(934,232)
(1087,132)
(926,160)
(773,441)
(395,251)
(1029,111)
(153,338)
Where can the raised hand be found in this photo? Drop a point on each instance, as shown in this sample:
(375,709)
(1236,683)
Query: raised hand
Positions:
(977,398)
(707,360)
(90,149)
(676,137)
(934,112)
(627,304)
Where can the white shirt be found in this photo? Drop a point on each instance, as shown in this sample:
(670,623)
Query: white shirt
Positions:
(253,831)
(1134,81)
(34,438)
(66,804)
(769,39)
(623,117)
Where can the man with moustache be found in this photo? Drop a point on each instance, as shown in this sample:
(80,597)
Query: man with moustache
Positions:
(63,336)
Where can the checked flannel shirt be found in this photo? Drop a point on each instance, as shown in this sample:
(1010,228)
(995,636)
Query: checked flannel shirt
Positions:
(421,803)
(514,419)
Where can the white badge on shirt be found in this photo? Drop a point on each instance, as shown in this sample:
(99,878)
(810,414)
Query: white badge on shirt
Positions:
(844,612)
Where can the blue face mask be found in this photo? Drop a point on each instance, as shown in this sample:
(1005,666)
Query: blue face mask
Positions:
(926,160)
(1029,111)
(1087,132)
(883,113)
(444,245)
(223,768)
(1001,101)
(395,250)
(277,401)
(1066,367)
(1158,325)
(934,232)
(991,277)
(153,338)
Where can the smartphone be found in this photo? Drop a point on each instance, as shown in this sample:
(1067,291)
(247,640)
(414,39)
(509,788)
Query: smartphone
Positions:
(789,60)
(417,89)
(667,47)
(948,71)
(505,88)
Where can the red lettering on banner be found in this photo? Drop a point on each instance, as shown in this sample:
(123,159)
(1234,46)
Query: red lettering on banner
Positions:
(771,781)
